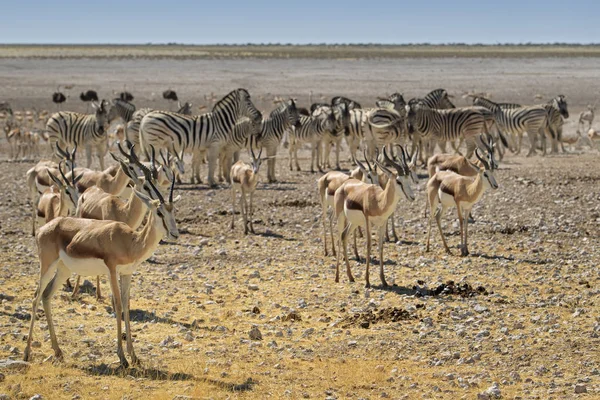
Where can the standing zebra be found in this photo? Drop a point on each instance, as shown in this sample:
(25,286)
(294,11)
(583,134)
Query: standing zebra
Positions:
(557,110)
(199,133)
(342,121)
(311,129)
(241,136)
(121,109)
(280,121)
(87,130)
(517,120)
(438,99)
(449,124)
(133,126)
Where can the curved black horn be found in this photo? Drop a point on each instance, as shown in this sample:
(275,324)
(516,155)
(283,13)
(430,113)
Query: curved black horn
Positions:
(171,190)
(62,174)
(483,161)
(367,160)
(74,151)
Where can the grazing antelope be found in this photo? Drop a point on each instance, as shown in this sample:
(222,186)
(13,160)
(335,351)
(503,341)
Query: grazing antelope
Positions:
(450,189)
(59,200)
(327,186)
(244,178)
(91,247)
(360,204)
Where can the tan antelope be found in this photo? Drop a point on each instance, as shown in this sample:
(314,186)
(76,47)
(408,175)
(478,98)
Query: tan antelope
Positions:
(59,200)
(244,178)
(90,247)
(360,204)
(105,180)
(460,164)
(329,183)
(450,189)
(38,179)
(95,203)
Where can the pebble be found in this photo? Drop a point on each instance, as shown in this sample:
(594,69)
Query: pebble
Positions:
(13,365)
(493,392)
(580,389)
(253,287)
(36,397)
(255,333)
(308,332)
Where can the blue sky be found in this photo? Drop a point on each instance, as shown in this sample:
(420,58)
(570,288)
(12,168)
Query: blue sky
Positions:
(298,21)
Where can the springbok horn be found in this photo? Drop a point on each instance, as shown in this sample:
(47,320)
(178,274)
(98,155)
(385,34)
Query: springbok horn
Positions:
(171,191)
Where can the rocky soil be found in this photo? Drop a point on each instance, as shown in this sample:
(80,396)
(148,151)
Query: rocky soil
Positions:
(219,314)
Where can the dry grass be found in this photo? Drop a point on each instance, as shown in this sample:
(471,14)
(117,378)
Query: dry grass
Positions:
(527,250)
(297,51)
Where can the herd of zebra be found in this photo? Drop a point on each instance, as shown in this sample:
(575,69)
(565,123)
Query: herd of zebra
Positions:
(235,123)
(108,222)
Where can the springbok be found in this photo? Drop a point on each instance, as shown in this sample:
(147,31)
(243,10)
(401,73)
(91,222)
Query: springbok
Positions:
(327,186)
(95,203)
(453,190)
(59,200)
(360,204)
(91,247)
(244,178)
(38,179)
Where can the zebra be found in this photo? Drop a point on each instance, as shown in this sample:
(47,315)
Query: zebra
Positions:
(448,124)
(121,109)
(87,130)
(342,121)
(280,121)
(337,100)
(557,109)
(395,101)
(199,133)
(311,129)
(132,131)
(517,120)
(241,136)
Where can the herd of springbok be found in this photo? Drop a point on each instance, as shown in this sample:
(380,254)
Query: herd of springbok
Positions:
(107,222)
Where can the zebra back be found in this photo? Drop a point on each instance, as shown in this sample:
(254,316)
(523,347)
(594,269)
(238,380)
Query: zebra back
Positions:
(437,98)
(447,124)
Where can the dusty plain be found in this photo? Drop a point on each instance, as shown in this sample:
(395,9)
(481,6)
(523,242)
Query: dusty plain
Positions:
(530,324)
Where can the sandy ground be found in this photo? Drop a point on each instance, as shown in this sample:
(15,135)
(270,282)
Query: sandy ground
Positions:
(529,321)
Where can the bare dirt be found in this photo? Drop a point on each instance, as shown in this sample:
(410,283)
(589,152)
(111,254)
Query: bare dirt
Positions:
(521,311)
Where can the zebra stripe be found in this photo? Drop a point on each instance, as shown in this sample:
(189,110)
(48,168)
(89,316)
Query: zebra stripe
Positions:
(164,129)
(437,98)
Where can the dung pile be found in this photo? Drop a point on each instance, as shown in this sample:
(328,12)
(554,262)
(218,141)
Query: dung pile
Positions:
(384,315)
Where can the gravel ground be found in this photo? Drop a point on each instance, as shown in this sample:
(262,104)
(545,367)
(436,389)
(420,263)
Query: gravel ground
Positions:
(222,315)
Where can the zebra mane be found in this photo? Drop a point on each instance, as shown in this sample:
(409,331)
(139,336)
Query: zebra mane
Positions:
(232,96)
(279,110)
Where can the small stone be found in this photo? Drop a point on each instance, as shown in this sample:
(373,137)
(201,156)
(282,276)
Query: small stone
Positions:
(479,308)
(352,343)
(36,397)
(253,287)
(580,389)
(203,242)
(308,332)
(2,377)
(13,365)
(255,333)
(493,392)
(189,337)
(99,330)
(4,396)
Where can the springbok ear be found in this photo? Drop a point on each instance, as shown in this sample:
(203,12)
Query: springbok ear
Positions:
(77,179)
(145,198)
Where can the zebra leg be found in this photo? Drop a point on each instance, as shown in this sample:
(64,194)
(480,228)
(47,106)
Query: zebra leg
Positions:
(271,154)
(88,155)
(101,151)
(532,141)
(213,154)
(196,163)
(296,156)
(232,206)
